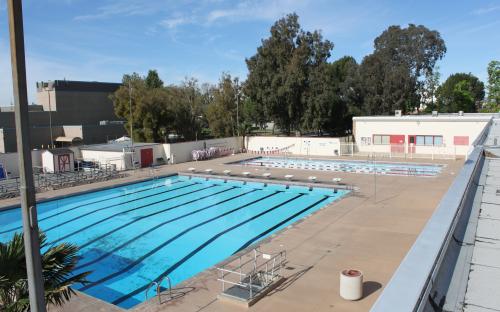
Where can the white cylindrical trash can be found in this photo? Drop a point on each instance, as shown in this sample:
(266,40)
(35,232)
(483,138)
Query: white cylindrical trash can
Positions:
(351,284)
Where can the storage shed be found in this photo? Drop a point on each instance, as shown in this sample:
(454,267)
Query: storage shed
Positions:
(123,155)
(58,160)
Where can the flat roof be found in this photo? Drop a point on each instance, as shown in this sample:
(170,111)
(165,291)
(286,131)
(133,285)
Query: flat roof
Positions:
(115,146)
(72,85)
(440,117)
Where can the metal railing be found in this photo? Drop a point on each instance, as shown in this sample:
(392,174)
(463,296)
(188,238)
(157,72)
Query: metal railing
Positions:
(51,181)
(157,284)
(411,284)
(254,274)
(405,150)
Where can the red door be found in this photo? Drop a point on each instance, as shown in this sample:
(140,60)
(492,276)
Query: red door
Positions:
(63,162)
(146,157)
(412,141)
(397,143)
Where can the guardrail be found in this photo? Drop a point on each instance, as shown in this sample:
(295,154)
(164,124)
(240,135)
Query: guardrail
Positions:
(411,284)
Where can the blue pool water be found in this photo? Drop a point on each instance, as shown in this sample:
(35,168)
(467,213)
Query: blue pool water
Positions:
(352,166)
(134,234)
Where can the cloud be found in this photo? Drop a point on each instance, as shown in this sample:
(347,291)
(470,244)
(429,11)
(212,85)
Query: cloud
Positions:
(486,10)
(256,10)
(174,22)
(123,8)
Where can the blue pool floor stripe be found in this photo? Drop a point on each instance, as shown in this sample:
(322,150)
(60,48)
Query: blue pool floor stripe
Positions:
(110,252)
(121,213)
(115,205)
(161,246)
(200,247)
(59,213)
(256,238)
(81,246)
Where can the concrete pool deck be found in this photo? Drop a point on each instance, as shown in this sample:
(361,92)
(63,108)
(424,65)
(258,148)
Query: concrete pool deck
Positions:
(370,231)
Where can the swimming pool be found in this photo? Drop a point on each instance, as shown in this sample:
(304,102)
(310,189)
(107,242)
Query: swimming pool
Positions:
(134,234)
(352,166)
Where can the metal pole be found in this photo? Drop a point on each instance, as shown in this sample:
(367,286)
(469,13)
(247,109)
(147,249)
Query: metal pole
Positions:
(237,108)
(131,124)
(50,121)
(27,188)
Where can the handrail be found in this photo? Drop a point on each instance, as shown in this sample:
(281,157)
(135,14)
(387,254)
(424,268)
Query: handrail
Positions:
(266,271)
(411,283)
(158,287)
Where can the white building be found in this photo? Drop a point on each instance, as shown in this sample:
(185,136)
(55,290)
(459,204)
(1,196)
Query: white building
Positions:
(445,134)
(58,160)
(122,155)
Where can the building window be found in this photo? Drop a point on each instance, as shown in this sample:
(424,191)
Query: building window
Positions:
(429,140)
(381,139)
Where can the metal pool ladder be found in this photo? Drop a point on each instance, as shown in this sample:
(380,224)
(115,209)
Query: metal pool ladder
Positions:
(158,287)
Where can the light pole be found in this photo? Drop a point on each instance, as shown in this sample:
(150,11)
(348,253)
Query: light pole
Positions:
(27,187)
(237,108)
(48,89)
(131,121)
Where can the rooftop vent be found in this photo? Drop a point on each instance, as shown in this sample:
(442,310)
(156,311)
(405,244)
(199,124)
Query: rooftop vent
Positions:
(434,113)
(397,113)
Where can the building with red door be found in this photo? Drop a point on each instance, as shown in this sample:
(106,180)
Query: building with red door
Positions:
(58,160)
(418,134)
(124,155)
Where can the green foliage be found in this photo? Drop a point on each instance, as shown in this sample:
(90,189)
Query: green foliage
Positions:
(493,103)
(428,90)
(392,75)
(279,72)
(221,112)
(460,92)
(58,263)
(153,80)
(156,111)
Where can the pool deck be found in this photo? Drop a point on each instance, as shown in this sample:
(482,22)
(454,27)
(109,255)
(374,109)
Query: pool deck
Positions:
(370,231)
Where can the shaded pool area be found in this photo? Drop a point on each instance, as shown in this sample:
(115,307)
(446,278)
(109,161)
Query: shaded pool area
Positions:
(177,226)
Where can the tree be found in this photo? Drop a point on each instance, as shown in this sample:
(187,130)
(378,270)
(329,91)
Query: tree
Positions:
(58,263)
(460,92)
(392,73)
(221,112)
(153,80)
(493,103)
(429,88)
(279,72)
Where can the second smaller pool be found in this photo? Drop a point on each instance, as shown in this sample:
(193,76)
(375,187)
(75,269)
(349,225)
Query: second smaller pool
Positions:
(352,166)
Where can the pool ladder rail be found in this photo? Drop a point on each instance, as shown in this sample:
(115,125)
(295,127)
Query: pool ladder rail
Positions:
(157,284)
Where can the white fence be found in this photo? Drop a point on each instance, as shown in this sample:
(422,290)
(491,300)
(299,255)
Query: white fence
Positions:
(406,150)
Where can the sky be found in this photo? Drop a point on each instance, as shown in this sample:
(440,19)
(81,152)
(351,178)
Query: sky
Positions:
(102,40)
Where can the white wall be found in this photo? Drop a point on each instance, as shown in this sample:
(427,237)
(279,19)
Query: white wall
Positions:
(427,126)
(319,146)
(181,152)
(106,157)
(121,160)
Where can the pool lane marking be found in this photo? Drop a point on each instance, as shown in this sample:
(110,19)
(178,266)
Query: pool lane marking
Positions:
(91,203)
(115,205)
(124,212)
(93,240)
(202,246)
(110,252)
(161,246)
(248,243)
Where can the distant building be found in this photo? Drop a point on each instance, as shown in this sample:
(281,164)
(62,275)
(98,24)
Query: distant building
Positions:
(451,134)
(68,113)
